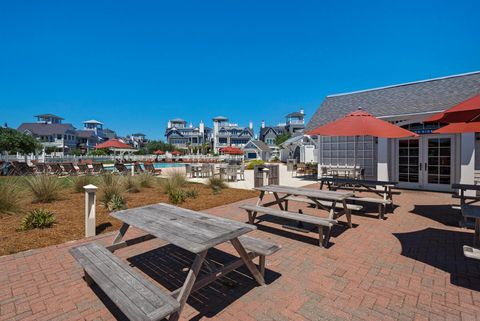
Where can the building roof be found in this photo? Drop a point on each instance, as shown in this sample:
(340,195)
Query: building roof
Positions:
(177,120)
(113,144)
(429,95)
(85,133)
(139,134)
(261,145)
(220,118)
(295,114)
(93,121)
(48,116)
(45,129)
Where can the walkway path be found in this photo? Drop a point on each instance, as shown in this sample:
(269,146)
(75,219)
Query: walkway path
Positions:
(409,267)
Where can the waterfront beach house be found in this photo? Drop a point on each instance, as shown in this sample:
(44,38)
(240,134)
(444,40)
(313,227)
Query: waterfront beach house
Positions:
(256,149)
(184,137)
(51,132)
(228,134)
(431,161)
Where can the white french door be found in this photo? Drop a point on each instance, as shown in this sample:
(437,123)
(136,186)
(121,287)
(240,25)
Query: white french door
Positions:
(426,162)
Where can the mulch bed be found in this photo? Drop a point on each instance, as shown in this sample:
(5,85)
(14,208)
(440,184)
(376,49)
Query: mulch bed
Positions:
(69,213)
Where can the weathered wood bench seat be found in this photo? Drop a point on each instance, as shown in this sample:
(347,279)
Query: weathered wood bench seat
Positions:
(471,252)
(320,222)
(352,207)
(136,297)
(262,248)
(382,204)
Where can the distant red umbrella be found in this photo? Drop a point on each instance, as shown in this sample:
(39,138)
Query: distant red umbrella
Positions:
(466,111)
(176,152)
(457,128)
(231,150)
(113,144)
(361,123)
(159,152)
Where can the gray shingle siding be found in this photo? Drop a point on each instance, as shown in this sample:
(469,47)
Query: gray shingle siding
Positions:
(424,96)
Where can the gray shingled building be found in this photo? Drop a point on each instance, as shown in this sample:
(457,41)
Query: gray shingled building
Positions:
(430,162)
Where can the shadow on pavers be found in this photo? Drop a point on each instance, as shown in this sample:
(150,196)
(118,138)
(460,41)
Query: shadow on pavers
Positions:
(443,249)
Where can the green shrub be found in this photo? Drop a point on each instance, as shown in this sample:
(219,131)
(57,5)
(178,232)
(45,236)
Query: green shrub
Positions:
(11,195)
(112,187)
(38,218)
(116,203)
(132,185)
(177,196)
(44,188)
(252,164)
(191,193)
(146,180)
(216,184)
(78,182)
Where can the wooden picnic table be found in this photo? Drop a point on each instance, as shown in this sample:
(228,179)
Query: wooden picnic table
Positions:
(193,231)
(463,188)
(317,196)
(369,185)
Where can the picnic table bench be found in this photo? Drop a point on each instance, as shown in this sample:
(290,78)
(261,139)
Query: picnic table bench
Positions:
(472,211)
(465,200)
(192,231)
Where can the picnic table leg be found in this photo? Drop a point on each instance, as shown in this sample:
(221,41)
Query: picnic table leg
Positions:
(278,200)
(121,233)
(248,262)
(348,214)
(189,282)
(476,241)
(331,214)
(260,197)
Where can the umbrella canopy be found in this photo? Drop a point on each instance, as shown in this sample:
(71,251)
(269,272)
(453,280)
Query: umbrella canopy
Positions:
(466,111)
(361,123)
(176,152)
(113,144)
(457,128)
(231,150)
(159,152)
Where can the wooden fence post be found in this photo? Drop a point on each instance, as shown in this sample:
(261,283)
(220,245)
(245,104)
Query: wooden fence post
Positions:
(90,200)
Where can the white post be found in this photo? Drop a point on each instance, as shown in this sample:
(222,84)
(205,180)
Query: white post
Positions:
(467,162)
(132,169)
(382,160)
(90,200)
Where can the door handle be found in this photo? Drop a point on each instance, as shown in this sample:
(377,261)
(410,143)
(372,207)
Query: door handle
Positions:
(420,164)
(426,166)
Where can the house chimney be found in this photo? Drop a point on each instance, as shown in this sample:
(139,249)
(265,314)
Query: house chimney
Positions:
(169,124)
(201,127)
(190,126)
(263,124)
(250,125)
(302,111)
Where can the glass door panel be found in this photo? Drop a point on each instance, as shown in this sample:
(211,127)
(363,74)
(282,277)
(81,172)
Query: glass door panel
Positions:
(408,160)
(439,160)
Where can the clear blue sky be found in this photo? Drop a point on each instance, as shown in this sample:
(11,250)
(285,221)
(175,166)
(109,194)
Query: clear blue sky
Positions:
(135,64)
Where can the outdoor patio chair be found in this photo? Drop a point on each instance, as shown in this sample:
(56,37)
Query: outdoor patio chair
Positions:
(301,169)
(149,168)
(98,168)
(55,169)
(69,169)
(23,168)
(138,168)
(41,168)
(241,172)
(188,170)
(207,170)
(84,169)
(231,172)
(122,169)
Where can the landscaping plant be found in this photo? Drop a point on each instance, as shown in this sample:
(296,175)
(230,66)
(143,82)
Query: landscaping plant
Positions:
(11,195)
(112,188)
(38,218)
(146,180)
(44,188)
(79,182)
(216,184)
(132,184)
(116,203)
(252,164)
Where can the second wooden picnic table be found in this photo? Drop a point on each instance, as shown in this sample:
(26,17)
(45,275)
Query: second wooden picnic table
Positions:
(317,196)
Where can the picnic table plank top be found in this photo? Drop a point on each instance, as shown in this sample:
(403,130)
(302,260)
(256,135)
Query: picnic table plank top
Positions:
(190,230)
(371,182)
(307,192)
(466,186)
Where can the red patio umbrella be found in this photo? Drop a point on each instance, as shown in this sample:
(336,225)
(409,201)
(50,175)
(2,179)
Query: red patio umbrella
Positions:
(466,111)
(231,150)
(361,123)
(159,152)
(457,128)
(176,152)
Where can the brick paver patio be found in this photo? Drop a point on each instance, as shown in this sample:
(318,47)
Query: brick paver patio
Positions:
(408,267)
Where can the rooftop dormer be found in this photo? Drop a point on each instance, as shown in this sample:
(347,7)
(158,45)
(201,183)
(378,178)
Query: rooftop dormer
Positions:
(92,125)
(49,119)
(177,123)
(296,118)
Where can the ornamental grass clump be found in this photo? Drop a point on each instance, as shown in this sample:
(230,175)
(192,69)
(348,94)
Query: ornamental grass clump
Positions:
(132,184)
(146,180)
(216,184)
(11,195)
(112,188)
(78,182)
(38,218)
(44,188)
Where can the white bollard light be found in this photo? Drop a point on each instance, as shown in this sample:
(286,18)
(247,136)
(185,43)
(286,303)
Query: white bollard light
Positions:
(90,200)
